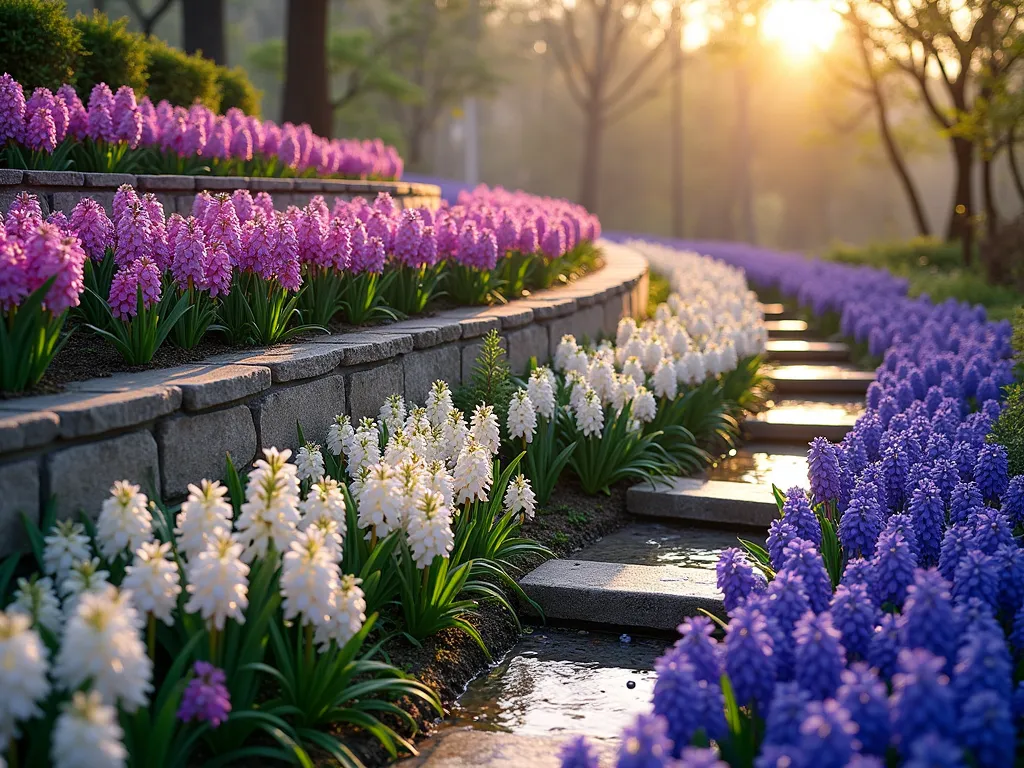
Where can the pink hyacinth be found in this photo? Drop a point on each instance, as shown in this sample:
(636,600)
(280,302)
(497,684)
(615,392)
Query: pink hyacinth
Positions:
(149,135)
(60,221)
(553,243)
(200,204)
(373,256)
(221,224)
(219,142)
(134,235)
(172,127)
(13,278)
(12,109)
(49,254)
(528,238)
(338,245)
(265,202)
(158,229)
(289,153)
(447,234)
(78,118)
(40,131)
(123,197)
(101,114)
(256,130)
(407,238)
(89,221)
(507,234)
(27,204)
(286,266)
(357,241)
(310,233)
(381,227)
(271,138)
(125,287)
(175,223)
(257,245)
(218,269)
(188,263)
(126,117)
(193,141)
(428,255)
(61,118)
(242,200)
(240,147)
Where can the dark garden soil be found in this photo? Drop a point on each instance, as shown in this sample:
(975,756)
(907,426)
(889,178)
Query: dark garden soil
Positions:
(450,660)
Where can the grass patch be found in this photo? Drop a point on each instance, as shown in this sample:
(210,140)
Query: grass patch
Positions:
(935,268)
(658,289)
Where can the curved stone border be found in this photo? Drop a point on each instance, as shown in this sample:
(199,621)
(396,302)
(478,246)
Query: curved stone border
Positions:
(61,190)
(170,427)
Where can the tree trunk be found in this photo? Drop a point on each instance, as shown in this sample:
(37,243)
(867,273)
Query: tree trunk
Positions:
(744,152)
(203,28)
(960,226)
(988,197)
(892,151)
(676,129)
(590,175)
(1015,174)
(306,98)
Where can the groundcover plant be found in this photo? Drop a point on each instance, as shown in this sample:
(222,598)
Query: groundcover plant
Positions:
(883,623)
(115,133)
(240,268)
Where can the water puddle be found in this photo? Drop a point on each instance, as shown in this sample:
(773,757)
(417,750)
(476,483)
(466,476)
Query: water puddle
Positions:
(656,543)
(557,681)
(818,411)
(783,465)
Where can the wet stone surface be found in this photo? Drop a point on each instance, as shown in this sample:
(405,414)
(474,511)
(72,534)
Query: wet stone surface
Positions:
(563,681)
(783,465)
(662,543)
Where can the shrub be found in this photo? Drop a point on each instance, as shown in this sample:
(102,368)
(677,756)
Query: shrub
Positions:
(111,55)
(901,257)
(180,78)
(236,90)
(1008,430)
(39,46)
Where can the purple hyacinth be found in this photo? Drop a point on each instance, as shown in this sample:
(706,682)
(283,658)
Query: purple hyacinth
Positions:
(700,648)
(786,713)
(991,471)
(101,114)
(90,222)
(819,655)
(976,575)
(206,697)
(12,108)
(860,526)
(983,663)
(49,254)
(865,697)
(827,735)
(134,235)
(922,701)
(928,514)
(141,274)
(780,533)
(991,530)
(986,729)
(736,578)
(1013,501)
(579,753)
(964,502)
(797,510)
(645,743)
(407,238)
(687,702)
(823,471)
(928,617)
(188,264)
(802,557)
(892,568)
(854,614)
(933,751)
(785,601)
(750,660)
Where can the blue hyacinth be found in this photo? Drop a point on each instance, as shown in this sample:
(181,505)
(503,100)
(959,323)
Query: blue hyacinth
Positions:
(866,698)
(976,575)
(946,477)
(797,511)
(991,471)
(903,523)
(859,527)
(857,571)
(700,757)
(1011,578)
(687,703)
(701,649)
(922,701)
(855,615)
(983,663)
(579,753)
(964,454)
(785,602)
(827,735)
(955,543)
(736,578)
(786,713)
(1013,501)
(895,469)
(965,502)
(892,568)
(780,533)
(929,517)
(975,617)
(775,756)
(645,743)
(823,471)
(928,618)
(819,655)
(933,751)
(986,729)
(749,657)
(802,558)
(991,530)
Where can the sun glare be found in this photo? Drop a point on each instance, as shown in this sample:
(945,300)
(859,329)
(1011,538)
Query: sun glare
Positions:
(800,27)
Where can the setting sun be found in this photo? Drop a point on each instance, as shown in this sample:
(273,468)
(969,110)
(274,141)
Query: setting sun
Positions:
(800,27)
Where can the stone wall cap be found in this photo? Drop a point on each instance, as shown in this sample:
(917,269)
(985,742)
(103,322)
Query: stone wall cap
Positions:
(111,180)
(88,413)
(271,184)
(221,183)
(365,347)
(290,362)
(53,178)
(20,430)
(426,332)
(169,183)
(9,176)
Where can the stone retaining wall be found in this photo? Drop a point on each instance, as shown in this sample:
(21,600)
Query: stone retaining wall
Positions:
(170,427)
(61,190)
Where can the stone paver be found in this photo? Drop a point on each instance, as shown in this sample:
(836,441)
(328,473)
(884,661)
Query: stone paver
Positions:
(820,380)
(787,329)
(466,748)
(622,595)
(367,390)
(291,362)
(424,367)
(710,501)
(800,421)
(810,352)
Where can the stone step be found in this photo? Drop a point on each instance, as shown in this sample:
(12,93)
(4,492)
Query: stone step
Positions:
(714,502)
(808,352)
(787,329)
(775,312)
(800,421)
(783,464)
(652,597)
(666,542)
(820,380)
(470,748)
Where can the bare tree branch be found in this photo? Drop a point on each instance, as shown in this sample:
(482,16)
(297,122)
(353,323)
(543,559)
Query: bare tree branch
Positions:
(148,21)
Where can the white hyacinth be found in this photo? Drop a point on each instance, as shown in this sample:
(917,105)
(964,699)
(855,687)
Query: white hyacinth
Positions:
(440,480)
(23,670)
(483,428)
(590,415)
(625,329)
(578,386)
(522,416)
(410,482)
(85,577)
(392,414)
(364,448)
(349,613)
(454,433)
(624,392)
(542,392)
(565,351)
(429,529)
(601,377)
(154,581)
(87,734)
(66,545)
(125,521)
(578,362)
(644,407)
(473,473)
(439,403)
(103,645)
(205,513)
(634,369)
(325,501)
(309,578)
(379,501)
(270,512)
(519,497)
(398,449)
(309,462)
(218,582)
(340,435)
(665,383)
(653,353)
(37,599)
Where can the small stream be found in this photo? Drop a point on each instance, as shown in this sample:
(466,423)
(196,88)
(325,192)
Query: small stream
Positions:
(557,681)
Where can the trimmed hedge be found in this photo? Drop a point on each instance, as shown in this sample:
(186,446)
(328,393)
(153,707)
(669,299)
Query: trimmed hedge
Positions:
(236,90)
(112,55)
(39,45)
(180,78)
